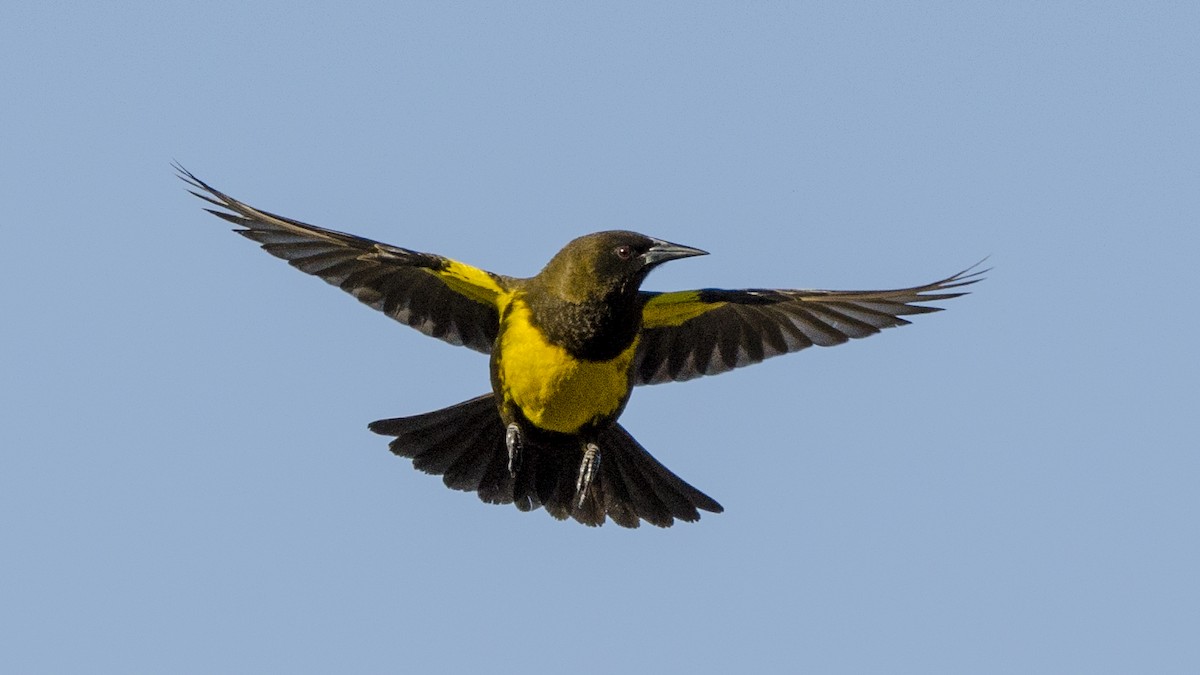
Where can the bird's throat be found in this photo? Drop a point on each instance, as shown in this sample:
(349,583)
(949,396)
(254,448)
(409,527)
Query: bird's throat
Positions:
(597,330)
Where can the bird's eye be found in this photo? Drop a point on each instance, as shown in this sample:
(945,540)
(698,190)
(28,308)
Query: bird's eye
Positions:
(624,251)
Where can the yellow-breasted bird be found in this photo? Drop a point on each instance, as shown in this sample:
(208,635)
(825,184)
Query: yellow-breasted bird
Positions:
(567,347)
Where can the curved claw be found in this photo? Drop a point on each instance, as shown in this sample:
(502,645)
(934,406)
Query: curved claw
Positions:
(514,443)
(588,468)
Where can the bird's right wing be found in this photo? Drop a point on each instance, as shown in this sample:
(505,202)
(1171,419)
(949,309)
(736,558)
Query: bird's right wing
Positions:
(440,297)
(687,334)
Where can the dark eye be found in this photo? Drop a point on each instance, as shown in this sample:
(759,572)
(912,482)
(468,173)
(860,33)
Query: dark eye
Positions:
(624,251)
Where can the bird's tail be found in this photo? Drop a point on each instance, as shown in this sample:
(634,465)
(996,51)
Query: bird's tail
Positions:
(465,444)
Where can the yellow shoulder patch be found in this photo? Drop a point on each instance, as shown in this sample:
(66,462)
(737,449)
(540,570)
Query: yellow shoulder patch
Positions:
(470,282)
(672,309)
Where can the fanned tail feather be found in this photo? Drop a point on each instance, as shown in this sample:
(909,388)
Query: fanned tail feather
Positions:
(464,443)
(635,485)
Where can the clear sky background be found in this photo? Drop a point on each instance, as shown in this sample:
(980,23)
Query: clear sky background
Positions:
(187,484)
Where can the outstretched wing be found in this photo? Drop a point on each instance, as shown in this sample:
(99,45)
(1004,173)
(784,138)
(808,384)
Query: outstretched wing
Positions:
(687,334)
(440,297)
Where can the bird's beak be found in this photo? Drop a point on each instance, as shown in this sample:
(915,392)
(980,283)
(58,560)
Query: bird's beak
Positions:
(662,251)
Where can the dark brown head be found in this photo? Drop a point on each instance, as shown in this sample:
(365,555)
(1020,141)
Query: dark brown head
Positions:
(602,264)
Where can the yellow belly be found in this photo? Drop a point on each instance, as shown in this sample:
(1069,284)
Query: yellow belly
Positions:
(553,390)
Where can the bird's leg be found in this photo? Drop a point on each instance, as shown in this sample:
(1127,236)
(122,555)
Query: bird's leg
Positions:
(587,470)
(514,442)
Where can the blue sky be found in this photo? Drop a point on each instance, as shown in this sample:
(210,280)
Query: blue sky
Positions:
(187,483)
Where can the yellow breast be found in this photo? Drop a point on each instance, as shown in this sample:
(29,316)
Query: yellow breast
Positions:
(554,390)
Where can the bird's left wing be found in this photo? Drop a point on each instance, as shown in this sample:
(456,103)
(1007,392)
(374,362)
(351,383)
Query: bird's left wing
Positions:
(440,297)
(687,334)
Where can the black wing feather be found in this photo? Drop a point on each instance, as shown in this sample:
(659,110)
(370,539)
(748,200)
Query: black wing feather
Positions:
(692,333)
(440,297)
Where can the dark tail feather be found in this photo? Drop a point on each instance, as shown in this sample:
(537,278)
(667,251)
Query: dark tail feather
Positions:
(635,485)
(631,486)
(464,443)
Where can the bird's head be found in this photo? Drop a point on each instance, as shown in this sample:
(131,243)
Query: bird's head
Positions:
(600,264)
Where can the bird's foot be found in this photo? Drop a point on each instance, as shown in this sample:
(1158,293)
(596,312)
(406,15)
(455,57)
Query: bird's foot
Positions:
(514,442)
(588,468)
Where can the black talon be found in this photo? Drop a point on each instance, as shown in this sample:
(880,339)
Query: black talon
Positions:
(587,470)
(514,442)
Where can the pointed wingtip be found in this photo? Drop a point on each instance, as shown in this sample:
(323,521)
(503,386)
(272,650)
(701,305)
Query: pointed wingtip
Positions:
(191,180)
(973,272)
(966,277)
(181,172)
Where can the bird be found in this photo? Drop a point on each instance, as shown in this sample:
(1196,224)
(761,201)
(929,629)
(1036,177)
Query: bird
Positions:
(567,346)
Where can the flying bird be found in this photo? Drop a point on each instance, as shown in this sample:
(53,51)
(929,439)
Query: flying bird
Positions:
(567,347)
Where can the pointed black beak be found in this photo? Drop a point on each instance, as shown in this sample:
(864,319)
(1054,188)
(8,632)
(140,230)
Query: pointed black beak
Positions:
(662,251)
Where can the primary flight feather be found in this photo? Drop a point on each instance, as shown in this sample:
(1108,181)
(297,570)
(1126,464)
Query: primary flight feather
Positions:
(567,347)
